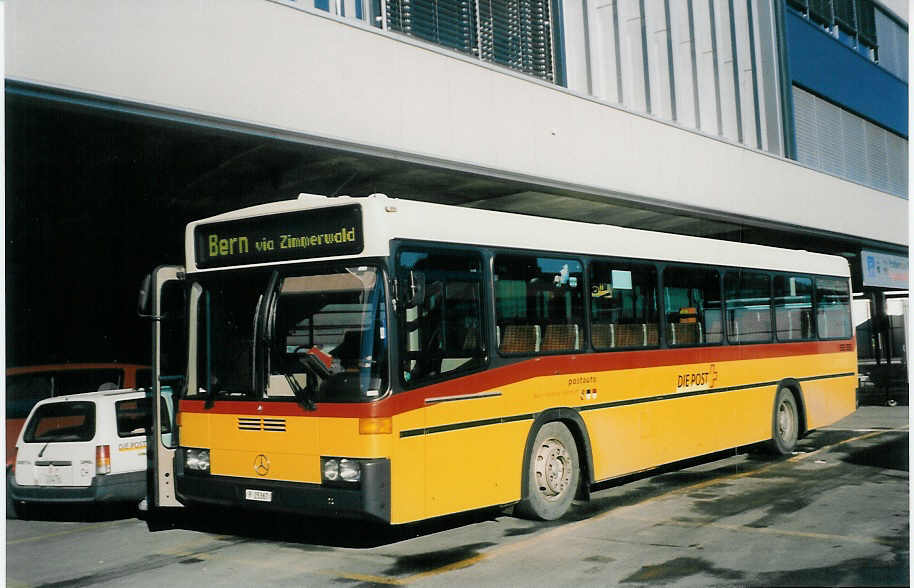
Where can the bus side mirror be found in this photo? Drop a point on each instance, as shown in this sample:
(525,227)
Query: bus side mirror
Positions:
(416,294)
(142,303)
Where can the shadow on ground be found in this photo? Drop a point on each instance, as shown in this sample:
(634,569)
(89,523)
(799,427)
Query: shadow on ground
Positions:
(313,534)
(890,455)
(72,513)
(316,534)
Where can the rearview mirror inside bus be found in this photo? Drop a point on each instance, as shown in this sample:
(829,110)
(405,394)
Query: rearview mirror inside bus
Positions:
(416,294)
(142,303)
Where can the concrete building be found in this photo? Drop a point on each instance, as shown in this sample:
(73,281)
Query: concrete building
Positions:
(782,122)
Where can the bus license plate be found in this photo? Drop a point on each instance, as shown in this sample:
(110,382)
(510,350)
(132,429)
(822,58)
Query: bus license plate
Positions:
(259,495)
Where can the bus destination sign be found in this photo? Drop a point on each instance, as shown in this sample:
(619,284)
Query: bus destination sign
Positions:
(321,232)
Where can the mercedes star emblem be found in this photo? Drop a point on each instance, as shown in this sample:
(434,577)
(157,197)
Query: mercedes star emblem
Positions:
(262,465)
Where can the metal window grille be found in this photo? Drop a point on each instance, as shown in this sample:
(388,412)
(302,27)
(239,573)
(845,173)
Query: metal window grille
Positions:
(445,22)
(866,22)
(821,11)
(845,15)
(515,33)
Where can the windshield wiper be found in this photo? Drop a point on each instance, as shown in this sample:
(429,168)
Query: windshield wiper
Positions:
(210,397)
(315,367)
(303,396)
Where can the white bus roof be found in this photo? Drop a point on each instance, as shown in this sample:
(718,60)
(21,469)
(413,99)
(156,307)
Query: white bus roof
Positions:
(387,218)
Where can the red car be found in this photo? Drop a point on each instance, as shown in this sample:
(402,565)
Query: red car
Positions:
(25,386)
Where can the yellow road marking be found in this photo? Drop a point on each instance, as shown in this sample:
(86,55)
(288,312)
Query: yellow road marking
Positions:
(189,548)
(79,529)
(457,565)
(388,580)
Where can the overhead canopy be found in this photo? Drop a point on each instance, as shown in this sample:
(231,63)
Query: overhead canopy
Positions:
(98,194)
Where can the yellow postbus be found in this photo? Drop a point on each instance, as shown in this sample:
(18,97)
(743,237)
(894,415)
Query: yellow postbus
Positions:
(394,360)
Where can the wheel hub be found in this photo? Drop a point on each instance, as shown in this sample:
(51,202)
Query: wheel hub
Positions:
(786,421)
(552,469)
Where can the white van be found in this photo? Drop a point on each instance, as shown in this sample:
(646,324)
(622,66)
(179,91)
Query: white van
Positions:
(83,448)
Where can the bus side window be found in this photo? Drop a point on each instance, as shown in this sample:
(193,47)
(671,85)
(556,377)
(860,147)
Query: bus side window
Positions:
(440,331)
(623,305)
(793,308)
(692,306)
(833,319)
(748,296)
(539,304)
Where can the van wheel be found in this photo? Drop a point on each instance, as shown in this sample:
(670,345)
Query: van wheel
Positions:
(785,423)
(553,474)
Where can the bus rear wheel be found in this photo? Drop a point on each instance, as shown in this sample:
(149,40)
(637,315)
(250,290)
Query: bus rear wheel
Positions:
(785,423)
(553,474)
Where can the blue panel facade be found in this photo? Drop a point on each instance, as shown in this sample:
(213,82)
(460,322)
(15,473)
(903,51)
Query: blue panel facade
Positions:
(821,64)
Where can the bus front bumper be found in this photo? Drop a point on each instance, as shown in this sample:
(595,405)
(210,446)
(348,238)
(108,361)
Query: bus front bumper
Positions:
(369,499)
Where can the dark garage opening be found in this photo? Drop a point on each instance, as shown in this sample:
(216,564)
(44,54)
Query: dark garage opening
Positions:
(98,193)
(94,200)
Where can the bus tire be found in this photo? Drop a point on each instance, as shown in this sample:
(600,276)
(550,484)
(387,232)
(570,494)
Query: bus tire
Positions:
(785,423)
(553,474)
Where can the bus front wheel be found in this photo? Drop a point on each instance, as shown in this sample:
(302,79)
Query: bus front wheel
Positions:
(785,423)
(553,474)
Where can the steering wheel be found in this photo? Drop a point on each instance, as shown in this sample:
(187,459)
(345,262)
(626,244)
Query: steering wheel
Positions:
(312,361)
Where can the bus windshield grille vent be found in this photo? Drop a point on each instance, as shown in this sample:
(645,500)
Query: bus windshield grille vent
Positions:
(257,424)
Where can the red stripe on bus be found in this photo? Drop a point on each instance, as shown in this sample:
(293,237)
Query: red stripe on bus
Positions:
(569,364)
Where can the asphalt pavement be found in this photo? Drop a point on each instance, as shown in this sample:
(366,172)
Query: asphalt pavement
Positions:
(834,513)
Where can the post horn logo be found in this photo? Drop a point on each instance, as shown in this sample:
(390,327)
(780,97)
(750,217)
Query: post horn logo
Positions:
(262,465)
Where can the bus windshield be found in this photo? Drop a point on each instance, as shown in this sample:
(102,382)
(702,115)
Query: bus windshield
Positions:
(314,337)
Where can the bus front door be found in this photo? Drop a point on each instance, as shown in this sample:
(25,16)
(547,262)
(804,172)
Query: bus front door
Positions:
(162,299)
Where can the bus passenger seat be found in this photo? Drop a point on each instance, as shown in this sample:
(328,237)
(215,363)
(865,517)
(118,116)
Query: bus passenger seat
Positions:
(560,338)
(787,324)
(630,335)
(519,339)
(651,335)
(714,328)
(603,335)
(470,341)
(684,334)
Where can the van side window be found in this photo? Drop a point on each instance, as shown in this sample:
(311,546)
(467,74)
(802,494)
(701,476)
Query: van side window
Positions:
(440,320)
(134,417)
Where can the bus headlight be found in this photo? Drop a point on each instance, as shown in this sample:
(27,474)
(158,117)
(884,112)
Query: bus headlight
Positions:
(341,470)
(196,460)
(331,470)
(350,470)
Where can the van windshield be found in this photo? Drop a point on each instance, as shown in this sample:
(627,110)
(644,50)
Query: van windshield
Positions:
(61,421)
